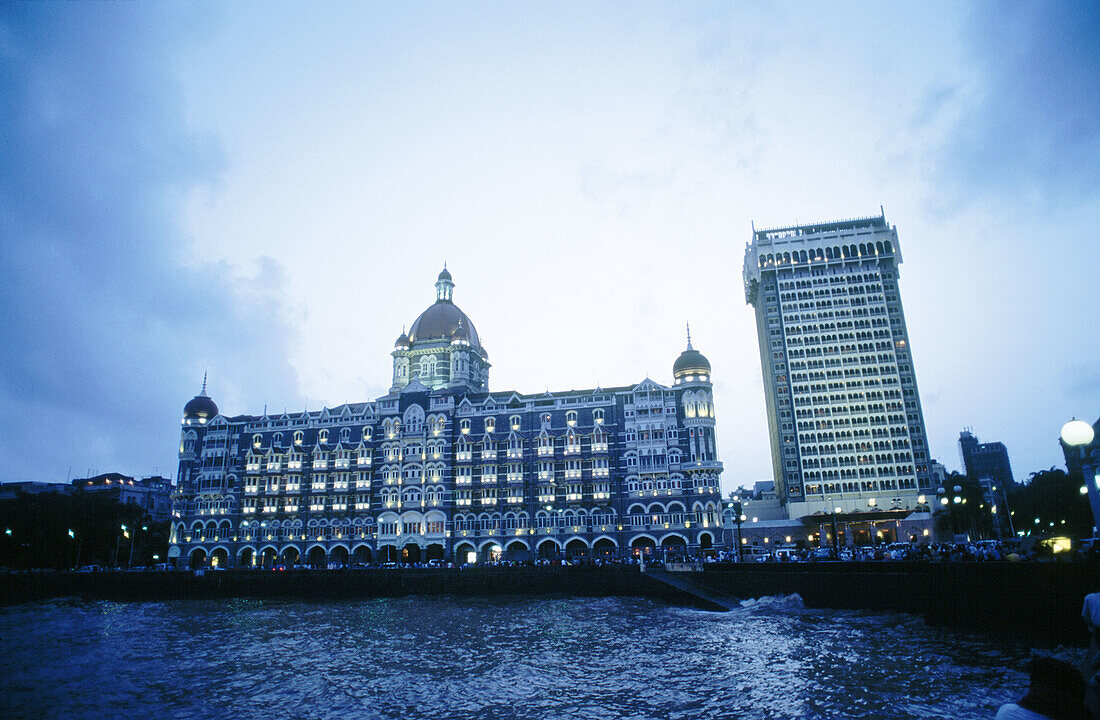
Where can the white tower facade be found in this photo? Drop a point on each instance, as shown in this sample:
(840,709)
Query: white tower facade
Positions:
(844,414)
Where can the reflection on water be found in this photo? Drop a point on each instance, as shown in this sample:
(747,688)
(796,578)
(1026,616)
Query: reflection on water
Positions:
(490,658)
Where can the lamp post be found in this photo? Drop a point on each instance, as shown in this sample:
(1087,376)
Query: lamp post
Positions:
(130,561)
(738,517)
(949,499)
(1008,512)
(1078,434)
(118,541)
(835,549)
(871,507)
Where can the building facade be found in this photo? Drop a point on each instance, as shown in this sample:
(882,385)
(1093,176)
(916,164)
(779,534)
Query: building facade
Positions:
(844,414)
(151,494)
(984,460)
(441,467)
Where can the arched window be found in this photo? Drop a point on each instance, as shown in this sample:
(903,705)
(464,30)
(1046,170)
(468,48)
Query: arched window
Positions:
(298,436)
(414,419)
(427,366)
(322,437)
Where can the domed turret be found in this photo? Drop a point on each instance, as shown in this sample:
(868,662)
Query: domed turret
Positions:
(200,407)
(402,342)
(443,286)
(442,348)
(691,363)
(460,336)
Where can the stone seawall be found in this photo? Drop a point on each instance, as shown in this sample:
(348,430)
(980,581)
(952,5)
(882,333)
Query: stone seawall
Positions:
(1033,603)
(337,584)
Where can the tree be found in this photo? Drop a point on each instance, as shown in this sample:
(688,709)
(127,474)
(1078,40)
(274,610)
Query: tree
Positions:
(61,530)
(1051,503)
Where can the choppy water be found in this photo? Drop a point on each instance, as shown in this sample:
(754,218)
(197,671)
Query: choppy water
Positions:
(490,658)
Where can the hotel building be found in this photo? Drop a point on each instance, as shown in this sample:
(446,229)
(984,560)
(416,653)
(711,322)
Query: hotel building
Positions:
(844,414)
(441,467)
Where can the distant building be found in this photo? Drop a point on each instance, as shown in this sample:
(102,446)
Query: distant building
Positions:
(151,494)
(12,490)
(844,414)
(939,474)
(764,490)
(984,460)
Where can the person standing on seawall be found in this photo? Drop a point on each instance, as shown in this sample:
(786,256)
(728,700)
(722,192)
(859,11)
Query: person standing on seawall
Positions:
(1090,668)
(1056,692)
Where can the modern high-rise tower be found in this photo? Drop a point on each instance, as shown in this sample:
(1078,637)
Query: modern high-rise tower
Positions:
(844,414)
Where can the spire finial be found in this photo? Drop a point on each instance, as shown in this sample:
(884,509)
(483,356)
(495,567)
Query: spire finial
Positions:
(203,383)
(689,336)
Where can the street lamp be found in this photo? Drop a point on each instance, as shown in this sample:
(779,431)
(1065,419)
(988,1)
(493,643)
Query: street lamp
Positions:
(836,538)
(871,503)
(948,499)
(738,517)
(1079,435)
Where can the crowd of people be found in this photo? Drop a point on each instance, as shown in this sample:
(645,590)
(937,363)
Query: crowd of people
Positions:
(981,550)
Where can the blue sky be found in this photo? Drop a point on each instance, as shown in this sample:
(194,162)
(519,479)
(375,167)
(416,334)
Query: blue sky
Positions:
(268,191)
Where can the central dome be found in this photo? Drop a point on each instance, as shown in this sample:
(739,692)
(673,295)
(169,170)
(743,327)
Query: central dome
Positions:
(442,320)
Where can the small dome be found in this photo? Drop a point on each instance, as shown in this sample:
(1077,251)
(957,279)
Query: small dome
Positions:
(461,335)
(200,407)
(690,362)
(402,342)
(444,274)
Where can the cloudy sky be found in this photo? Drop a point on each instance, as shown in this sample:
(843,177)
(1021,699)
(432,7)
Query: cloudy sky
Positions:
(267,192)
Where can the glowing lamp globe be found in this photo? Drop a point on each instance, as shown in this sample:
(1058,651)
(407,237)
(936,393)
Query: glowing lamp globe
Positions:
(1076,433)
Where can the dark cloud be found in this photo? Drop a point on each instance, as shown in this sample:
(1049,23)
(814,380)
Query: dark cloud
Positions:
(106,325)
(1034,130)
